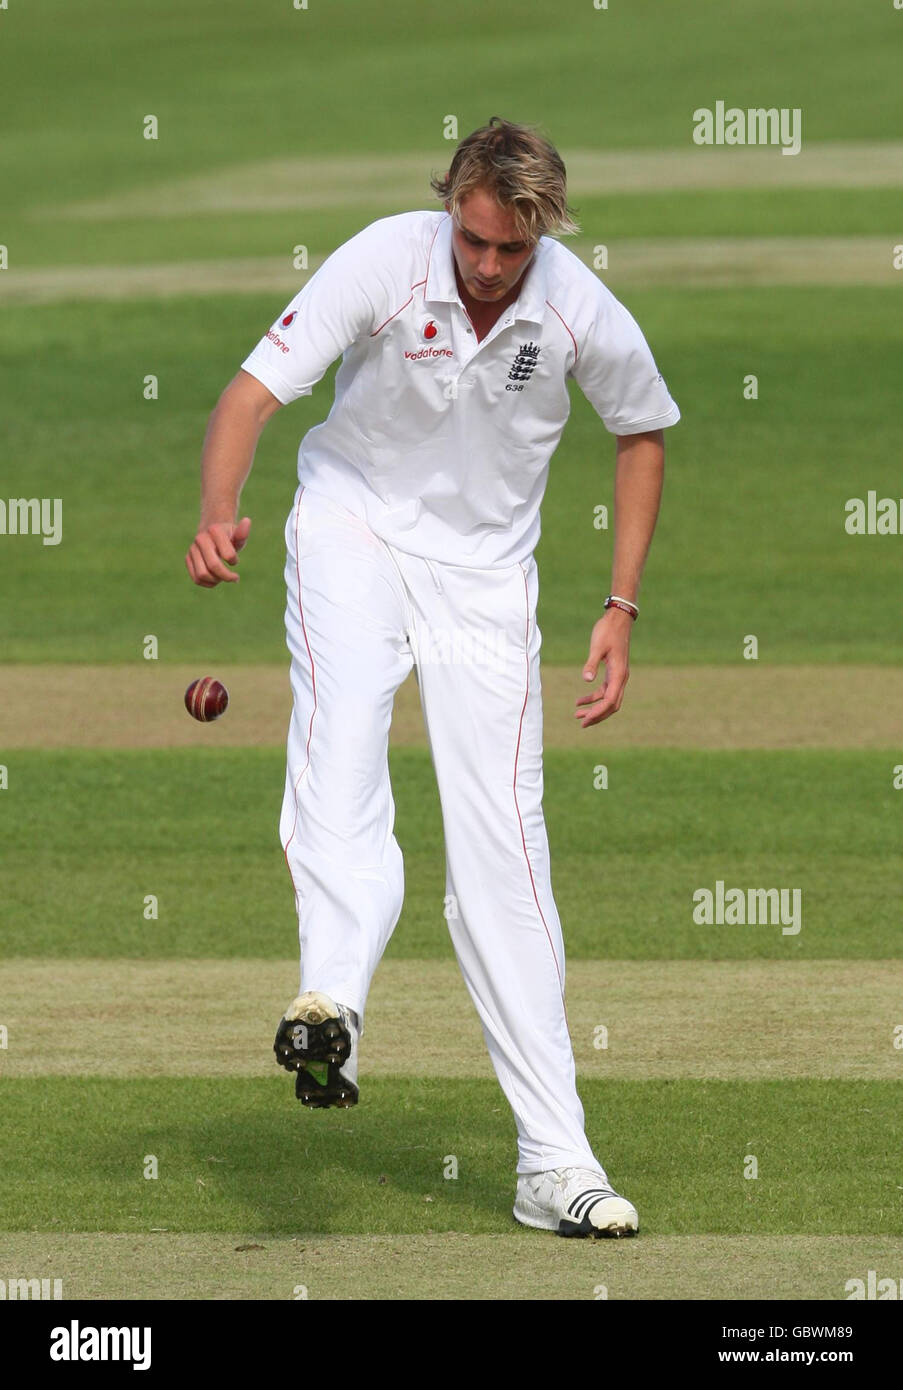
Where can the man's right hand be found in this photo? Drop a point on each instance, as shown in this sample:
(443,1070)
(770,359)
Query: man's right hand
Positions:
(213,548)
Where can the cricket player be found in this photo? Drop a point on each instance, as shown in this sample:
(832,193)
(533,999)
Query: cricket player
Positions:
(410,546)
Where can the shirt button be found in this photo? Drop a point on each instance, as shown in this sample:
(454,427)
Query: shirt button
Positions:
(469,332)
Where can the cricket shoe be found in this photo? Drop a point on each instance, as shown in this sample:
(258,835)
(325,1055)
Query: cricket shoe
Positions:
(573,1202)
(317,1039)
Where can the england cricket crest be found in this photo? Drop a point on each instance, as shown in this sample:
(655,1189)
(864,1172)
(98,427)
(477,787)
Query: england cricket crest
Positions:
(522,366)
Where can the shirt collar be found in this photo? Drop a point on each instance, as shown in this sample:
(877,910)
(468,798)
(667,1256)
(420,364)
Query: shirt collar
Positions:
(442,287)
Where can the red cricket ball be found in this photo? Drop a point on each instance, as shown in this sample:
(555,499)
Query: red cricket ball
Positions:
(206,699)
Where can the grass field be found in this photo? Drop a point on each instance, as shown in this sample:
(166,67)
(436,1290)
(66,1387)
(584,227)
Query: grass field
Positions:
(744,818)
(128,258)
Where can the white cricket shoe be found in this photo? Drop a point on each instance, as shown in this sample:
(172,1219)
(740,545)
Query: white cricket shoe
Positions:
(318,1039)
(573,1202)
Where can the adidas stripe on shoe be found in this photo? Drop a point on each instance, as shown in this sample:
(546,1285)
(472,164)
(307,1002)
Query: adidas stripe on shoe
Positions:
(573,1202)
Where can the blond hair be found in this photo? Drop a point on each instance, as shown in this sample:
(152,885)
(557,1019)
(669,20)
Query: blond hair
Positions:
(521,169)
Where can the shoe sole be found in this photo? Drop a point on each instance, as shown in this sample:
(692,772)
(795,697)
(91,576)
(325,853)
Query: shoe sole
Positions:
(617,1227)
(318,1037)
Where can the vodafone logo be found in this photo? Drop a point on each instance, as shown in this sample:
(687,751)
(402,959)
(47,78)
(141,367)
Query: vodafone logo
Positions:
(283,323)
(428,354)
(274,338)
(429,332)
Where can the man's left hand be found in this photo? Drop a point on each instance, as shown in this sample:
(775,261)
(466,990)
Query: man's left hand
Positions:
(610,642)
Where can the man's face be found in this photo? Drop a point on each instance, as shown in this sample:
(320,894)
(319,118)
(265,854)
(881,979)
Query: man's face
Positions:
(489,252)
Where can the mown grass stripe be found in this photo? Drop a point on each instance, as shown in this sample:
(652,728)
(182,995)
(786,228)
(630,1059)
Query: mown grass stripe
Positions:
(107,854)
(712,707)
(741,1020)
(203,1154)
(518,1265)
(685,263)
(343,181)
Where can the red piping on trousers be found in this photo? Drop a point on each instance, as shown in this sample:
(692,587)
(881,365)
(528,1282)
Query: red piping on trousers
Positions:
(313,679)
(516,807)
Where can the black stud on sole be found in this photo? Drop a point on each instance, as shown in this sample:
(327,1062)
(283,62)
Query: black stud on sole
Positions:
(586,1228)
(320,1094)
(316,1052)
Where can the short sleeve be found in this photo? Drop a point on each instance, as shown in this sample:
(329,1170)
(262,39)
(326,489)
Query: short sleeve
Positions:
(617,373)
(334,308)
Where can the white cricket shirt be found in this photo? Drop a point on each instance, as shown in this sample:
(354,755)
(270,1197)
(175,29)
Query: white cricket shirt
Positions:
(442,443)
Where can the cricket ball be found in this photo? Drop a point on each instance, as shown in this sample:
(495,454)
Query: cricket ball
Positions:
(206,699)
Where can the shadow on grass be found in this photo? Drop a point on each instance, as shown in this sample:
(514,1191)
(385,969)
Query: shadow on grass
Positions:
(245,1155)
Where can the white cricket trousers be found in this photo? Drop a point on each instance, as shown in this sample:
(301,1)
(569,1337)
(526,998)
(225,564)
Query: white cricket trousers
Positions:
(360,613)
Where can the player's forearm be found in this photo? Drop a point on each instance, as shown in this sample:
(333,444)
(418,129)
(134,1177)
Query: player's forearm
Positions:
(228,453)
(639,475)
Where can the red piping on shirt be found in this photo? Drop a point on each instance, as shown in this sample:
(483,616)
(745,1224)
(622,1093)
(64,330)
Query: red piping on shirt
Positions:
(413,288)
(429,254)
(397,311)
(573,339)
